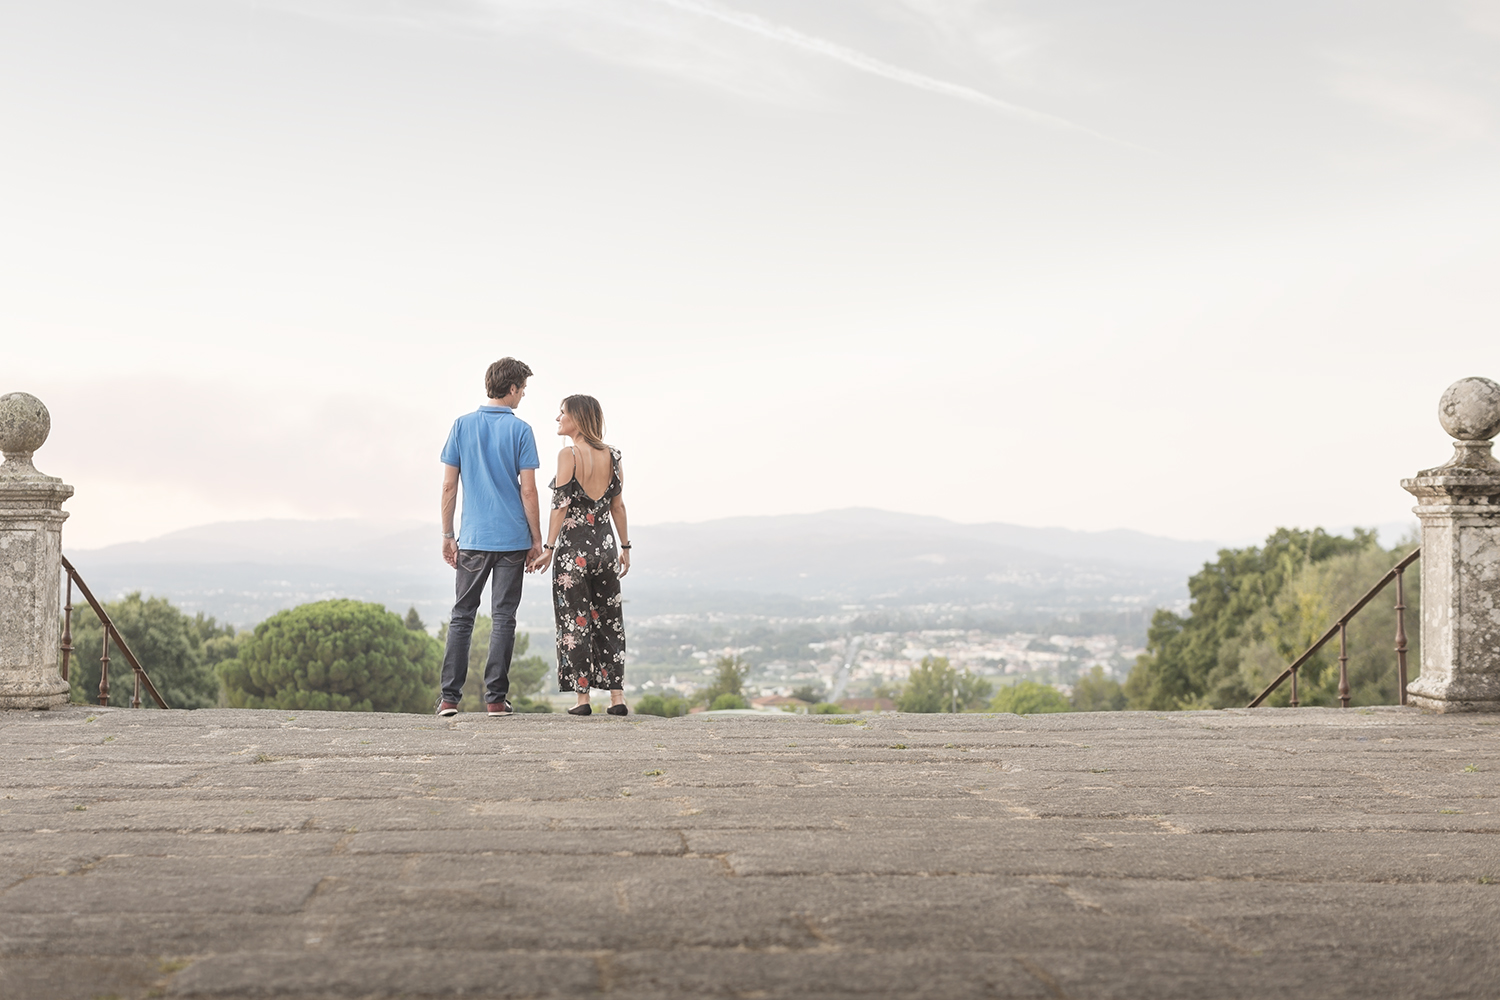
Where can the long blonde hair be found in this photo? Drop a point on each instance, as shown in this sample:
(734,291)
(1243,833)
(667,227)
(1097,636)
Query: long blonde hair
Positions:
(589,416)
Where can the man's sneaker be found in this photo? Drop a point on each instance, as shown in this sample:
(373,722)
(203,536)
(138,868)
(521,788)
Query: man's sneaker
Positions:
(447,708)
(497,708)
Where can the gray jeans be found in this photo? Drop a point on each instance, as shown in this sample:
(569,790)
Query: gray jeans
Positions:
(504,571)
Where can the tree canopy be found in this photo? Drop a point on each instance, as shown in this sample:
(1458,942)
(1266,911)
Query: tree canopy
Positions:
(339,655)
(729,679)
(667,706)
(1305,608)
(935,686)
(177,652)
(1094,692)
(1029,698)
(1250,608)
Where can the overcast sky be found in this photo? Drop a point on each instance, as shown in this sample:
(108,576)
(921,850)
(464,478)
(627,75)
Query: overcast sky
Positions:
(1195,269)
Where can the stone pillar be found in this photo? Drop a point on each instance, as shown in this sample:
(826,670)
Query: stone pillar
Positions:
(1459,506)
(31,518)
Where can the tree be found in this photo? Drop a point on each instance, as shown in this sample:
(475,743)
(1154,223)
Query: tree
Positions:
(1029,698)
(527,673)
(414,620)
(666,706)
(341,655)
(934,686)
(730,679)
(1094,692)
(808,693)
(1182,666)
(177,653)
(1304,610)
(728,701)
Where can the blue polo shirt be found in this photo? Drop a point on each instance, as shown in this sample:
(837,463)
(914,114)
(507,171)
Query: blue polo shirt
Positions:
(489,448)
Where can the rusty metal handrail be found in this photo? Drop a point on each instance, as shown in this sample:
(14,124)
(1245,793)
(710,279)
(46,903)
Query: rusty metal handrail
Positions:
(109,630)
(1340,628)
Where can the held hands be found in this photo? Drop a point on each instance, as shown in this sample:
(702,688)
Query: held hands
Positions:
(538,559)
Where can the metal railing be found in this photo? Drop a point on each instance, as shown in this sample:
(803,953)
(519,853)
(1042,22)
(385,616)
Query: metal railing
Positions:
(1341,629)
(109,630)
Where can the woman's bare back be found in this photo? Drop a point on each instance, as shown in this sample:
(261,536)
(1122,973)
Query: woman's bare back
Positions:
(593,469)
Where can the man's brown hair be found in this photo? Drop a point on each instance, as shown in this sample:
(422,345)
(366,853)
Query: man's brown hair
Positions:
(504,374)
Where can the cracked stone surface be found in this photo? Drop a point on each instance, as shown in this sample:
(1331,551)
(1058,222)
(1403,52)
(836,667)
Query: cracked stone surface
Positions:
(237,854)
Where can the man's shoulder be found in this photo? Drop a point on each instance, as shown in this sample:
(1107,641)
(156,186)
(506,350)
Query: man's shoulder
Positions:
(465,419)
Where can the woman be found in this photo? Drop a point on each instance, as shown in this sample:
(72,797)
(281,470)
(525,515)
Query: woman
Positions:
(586,500)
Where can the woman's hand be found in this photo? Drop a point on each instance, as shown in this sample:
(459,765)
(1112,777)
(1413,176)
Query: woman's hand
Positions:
(624,561)
(541,562)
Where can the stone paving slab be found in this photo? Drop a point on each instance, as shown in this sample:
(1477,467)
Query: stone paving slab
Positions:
(233,854)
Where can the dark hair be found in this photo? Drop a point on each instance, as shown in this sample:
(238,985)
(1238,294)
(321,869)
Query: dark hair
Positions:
(589,416)
(502,375)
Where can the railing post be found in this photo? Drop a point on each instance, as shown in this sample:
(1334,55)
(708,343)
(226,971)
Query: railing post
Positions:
(31,519)
(1343,665)
(104,672)
(67,639)
(1458,504)
(1401,635)
(1294,689)
(135,697)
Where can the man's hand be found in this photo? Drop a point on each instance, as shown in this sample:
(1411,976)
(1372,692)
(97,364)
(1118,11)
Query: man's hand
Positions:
(541,562)
(445,514)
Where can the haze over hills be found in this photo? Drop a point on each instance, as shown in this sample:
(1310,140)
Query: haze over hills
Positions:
(243,571)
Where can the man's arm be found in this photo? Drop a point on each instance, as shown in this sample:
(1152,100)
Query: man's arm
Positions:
(533,513)
(450,504)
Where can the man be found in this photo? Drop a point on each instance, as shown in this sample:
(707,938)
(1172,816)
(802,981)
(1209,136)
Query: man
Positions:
(493,452)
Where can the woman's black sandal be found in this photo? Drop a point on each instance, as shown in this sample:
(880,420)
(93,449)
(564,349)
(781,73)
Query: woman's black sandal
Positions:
(583,709)
(619,709)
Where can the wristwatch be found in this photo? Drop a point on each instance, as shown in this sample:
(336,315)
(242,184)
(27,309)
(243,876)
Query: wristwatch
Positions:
(448,534)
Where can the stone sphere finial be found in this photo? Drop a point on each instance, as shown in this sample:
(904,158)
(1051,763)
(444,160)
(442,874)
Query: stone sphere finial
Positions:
(1470,409)
(24,426)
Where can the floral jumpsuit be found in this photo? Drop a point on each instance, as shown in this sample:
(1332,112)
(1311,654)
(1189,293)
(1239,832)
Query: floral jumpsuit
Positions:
(586,588)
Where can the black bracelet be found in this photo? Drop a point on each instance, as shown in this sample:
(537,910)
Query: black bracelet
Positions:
(549,548)
(624,545)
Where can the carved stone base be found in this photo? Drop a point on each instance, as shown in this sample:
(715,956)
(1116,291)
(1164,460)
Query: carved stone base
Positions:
(33,693)
(1460,595)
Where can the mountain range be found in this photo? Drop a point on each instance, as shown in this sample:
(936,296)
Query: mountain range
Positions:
(243,571)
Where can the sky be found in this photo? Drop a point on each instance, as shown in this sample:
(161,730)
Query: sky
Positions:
(1199,270)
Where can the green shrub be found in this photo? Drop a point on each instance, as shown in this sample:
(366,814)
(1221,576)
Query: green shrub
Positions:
(1093,692)
(728,701)
(342,656)
(826,708)
(668,706)
(1029,698)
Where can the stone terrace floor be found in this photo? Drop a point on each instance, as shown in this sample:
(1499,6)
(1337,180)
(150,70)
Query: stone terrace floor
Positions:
(1267,853)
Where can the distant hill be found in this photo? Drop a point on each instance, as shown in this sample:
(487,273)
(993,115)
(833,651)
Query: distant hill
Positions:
(243,571)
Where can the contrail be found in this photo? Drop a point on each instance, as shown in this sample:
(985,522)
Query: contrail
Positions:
(868,64)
